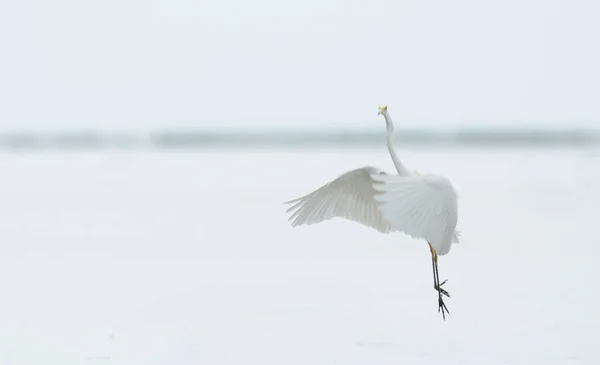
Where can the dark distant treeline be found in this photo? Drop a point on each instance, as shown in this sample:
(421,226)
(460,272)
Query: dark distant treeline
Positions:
(296,139)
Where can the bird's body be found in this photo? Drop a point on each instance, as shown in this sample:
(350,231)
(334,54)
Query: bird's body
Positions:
(421,206)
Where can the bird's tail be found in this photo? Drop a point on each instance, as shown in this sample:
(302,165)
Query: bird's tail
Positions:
(455,236)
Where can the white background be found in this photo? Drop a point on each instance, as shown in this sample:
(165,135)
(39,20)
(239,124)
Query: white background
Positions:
(156,258)
(135,65)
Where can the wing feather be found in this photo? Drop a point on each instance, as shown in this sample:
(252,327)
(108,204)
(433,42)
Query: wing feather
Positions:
(350,196)
(422,206)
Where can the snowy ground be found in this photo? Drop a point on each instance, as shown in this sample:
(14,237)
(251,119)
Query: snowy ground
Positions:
(187,258)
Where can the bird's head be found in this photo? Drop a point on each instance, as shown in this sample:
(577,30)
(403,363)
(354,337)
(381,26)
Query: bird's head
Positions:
(382,109)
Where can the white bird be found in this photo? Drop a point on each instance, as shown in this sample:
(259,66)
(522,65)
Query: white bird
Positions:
(423,206)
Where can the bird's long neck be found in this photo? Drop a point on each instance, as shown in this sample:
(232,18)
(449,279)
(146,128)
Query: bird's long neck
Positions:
(402,170)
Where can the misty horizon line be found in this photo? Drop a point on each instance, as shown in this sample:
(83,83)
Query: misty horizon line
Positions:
(197,138)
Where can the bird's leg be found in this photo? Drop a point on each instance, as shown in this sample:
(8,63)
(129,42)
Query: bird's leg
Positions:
(437,285)
(436,279)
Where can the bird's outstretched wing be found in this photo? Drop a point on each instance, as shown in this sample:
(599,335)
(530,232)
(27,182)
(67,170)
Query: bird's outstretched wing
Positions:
(422,206)
(350,196)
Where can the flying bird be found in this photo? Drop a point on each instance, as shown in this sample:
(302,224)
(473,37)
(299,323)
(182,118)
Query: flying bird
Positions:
(423,206)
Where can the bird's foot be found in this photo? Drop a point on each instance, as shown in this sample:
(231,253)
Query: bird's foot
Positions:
(439,289)
(442,307)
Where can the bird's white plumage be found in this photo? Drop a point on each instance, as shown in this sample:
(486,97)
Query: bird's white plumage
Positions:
(350,196)
(422,206)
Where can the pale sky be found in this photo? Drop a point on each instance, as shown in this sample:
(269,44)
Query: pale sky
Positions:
(139,64)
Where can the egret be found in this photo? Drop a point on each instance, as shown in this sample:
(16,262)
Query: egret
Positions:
(423,206)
